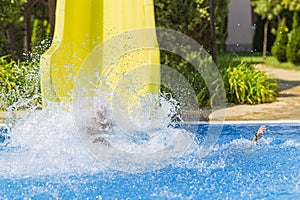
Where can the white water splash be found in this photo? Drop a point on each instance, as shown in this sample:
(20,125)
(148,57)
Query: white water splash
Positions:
(46,142)
(291,143)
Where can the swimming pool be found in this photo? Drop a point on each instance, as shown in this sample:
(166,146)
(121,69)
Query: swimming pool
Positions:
(234,169)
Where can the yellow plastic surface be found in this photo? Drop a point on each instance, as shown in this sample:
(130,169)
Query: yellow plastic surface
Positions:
(82,25)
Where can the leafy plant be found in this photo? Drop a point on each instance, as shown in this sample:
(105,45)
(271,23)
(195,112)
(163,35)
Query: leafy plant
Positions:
(191,17)
(243,83)
(19,81)
(291,4)
(193,77)
(293,49)
(267,10)
(40,36)
(280,45)
(249,85)
(10,19)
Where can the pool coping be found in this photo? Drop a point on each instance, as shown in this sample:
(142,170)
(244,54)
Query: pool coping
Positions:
(234,122)
(245,122)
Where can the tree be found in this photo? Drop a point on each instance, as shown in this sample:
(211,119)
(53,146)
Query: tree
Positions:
(291,5)
(213,30)
(293,49)
(28,12)
(191,17)
(10,12)
(51,6)
(27,25)
(16,24)
(280,45)
(267,9)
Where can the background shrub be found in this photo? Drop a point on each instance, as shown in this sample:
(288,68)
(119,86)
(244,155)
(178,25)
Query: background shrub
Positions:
(280,45)
(249,85)
(194,78)
(259,35)
(243,83)
(40,36)
(19,81)
(293,49)
(191,17)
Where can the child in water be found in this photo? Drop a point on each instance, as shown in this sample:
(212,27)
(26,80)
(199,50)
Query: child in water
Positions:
(259,133)
(99,126)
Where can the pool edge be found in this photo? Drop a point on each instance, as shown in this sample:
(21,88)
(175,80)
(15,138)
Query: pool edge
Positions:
(245,122)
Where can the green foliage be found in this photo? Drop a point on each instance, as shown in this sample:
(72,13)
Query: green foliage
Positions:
(18,81)
(190,74)
(40,36)
(40,29)
(291,4)
(267,9)
(10,11)
(191,17)
(293,49)
(249,85)
(296,20)
(273,26)
(186,16)
(243,83)
(4,44)
(280,45)
(288,15)
(10,14)
(12,27)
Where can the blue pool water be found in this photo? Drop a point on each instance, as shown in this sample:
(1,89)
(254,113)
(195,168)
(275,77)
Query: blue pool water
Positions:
(235,168)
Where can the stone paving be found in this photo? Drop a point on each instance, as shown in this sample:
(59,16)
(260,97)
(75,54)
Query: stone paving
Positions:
(286,107)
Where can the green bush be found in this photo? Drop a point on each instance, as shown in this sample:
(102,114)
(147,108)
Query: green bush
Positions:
(243,83)
(259,35)
(40,36)
(280,45)
(191,74)
(293,49)
(19,82)
(191,17)
(249,85)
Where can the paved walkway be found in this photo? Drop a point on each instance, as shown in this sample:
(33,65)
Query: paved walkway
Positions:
(286,107)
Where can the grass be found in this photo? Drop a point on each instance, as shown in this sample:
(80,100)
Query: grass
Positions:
(256,58)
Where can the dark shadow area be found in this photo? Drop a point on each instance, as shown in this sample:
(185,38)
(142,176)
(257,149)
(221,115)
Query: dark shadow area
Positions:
(288,95)
(285,85)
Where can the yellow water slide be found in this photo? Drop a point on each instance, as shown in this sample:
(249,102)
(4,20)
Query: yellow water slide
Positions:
(82,25)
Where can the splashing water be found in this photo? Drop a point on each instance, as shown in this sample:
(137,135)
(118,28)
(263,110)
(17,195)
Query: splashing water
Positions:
(46,142)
